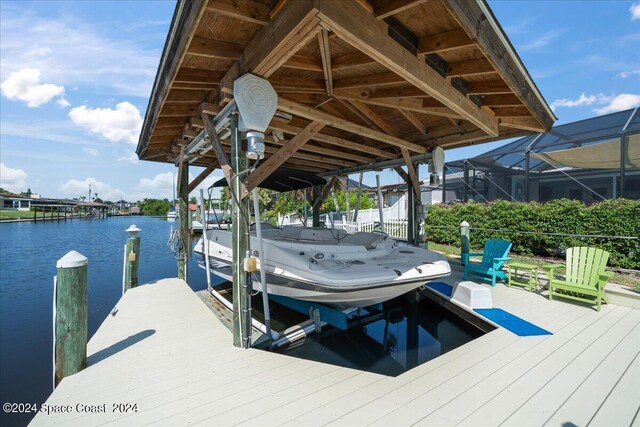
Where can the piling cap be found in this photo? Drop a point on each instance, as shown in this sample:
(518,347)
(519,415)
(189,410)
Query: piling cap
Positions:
(72,259)
(464,224)
(133,230)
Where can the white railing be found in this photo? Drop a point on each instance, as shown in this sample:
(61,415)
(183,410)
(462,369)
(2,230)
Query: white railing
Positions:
(396,228)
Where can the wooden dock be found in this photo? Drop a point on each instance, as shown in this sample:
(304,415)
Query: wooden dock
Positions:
(165,351)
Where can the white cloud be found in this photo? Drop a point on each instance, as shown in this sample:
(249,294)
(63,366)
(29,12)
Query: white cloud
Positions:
(610,103)
(582,100)
(162,181)
(624,101)
(24,85)
(542,41)
(14,180)
(74,52)
(76,188)
(122,124)
(635,11)
(132,157)
(627,74)
(91,151)
(63,102)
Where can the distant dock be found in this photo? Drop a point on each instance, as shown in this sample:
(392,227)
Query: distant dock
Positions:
(163,357)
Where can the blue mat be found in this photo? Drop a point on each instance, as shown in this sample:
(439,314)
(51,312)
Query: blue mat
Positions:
(513,323)
(441,287)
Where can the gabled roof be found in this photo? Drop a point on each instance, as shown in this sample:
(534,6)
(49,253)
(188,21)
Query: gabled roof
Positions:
(359,81)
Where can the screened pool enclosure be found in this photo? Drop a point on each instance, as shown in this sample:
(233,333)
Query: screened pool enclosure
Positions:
(589,160)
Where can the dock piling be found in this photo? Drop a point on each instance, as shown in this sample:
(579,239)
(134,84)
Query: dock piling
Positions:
(132,258)
(464,237)
(70,315)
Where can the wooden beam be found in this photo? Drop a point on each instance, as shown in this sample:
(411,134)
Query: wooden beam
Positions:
(511,112)
(479,23)
(397,92)
(215,142)
(469,68)
(303,63)
(405,176)
(370,36)
(443,42)
(196,122)
(373,117)
(215,49)
(308,113)
(276,42)
(179,110)
(198,75)
(487,87)
(385,8)
(169,122)
(372,80)
(411,169)
(201,177)
(244,10)
(181,96)
(297,84)
(349,106)
(276,160)
(337,141)
(411,118)
(523,123)
(417,105)
(505,100)
(351,60)
(325,54)
(306,156)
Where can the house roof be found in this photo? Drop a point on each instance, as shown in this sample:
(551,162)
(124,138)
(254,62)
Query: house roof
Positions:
(358,82)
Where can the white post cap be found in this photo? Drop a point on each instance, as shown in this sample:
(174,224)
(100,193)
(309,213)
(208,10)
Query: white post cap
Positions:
(133,230)
(464,224)
(72,259)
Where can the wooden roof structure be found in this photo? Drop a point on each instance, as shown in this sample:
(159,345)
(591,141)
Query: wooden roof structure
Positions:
(358,81)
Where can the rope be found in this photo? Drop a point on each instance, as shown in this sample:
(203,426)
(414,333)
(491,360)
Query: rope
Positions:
(595,236)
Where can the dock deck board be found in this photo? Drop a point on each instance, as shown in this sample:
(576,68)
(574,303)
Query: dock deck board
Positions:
(166,351)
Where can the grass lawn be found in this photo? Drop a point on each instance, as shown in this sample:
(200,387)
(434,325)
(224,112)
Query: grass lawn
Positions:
(4,215)
(628,280)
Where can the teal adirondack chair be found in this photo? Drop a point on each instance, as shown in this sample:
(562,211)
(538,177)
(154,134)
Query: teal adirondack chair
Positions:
(493,257)
(585,277)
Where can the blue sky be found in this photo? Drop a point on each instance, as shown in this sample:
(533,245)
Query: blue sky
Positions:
(76,76)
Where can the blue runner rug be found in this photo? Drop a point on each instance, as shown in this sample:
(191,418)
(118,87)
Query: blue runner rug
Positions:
(513,323)
(441,287)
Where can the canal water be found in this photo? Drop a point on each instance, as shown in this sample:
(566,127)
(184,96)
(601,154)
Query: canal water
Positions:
(28,255)
(398,338)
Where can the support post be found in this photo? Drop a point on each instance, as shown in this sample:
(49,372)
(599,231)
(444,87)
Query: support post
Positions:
(623,166)
(444,186)
(527,164)
(464,238)
(465,190)
(411,214)
(183,216)
(357,207)
(380,203)
(70,315)
(317,195)
(239,212)
(132,257)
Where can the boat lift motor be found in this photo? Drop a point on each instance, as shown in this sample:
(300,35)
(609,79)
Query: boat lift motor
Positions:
(257,102)
(436,167)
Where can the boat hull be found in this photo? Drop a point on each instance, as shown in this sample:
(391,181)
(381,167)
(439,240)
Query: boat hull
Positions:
(346,275)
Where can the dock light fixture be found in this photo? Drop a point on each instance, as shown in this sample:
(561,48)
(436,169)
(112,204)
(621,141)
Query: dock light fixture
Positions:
(257,102)
(436,167)
(133,230)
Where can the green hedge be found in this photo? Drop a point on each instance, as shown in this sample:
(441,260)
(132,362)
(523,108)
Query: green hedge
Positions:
(618,217)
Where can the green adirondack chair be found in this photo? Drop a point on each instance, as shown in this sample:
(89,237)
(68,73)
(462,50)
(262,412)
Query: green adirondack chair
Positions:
(585,277)
(493,256)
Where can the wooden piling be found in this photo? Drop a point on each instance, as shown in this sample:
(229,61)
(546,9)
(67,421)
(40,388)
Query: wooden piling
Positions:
(239,212)
(464,237)
(70,313)
(132,250)
(183,216)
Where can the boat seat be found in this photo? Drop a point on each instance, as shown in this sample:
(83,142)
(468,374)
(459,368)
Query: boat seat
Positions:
(368,240)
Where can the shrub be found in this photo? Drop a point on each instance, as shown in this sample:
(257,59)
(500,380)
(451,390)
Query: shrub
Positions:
(531,227)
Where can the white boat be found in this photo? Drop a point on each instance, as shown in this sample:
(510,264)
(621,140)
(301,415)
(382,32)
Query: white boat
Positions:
(215,219)
(330,266)
(172,215)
